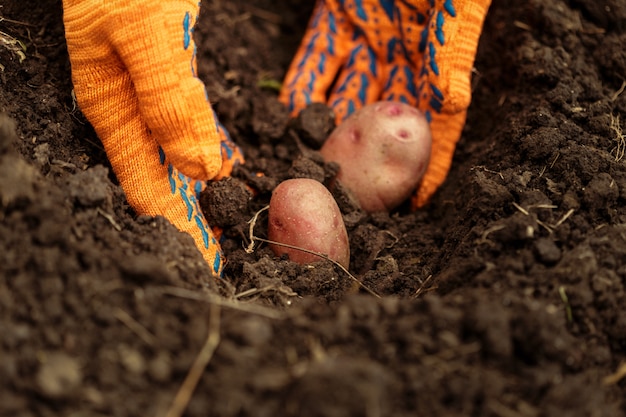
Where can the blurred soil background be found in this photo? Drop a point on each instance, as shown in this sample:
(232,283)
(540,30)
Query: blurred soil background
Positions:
(504,297)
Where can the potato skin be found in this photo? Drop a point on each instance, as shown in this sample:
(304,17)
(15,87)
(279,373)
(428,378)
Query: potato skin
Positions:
(383,150)
(303,213)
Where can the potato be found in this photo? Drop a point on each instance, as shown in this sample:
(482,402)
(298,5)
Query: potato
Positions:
(303,213)
(383,150)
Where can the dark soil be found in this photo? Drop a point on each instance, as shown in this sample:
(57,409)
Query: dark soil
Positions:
(504,297)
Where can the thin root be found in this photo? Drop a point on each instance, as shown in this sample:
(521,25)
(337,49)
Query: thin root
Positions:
(620,148)
(252,223)
(483,237)
(13,45)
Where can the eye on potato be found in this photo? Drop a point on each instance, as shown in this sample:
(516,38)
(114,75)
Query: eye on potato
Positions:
(304,214)
(383,150)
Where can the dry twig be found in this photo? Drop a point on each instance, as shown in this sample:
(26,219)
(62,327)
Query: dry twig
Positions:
(222,302)
(109,218)
(568,307)
(619,91)
(135,326)
(617,376)
(199,365)
(423,288)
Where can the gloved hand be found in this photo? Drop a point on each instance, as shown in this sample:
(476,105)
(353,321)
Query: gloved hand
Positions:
(420,52)
(134,74)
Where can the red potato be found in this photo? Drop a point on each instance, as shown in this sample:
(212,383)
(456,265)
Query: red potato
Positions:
(303,213)
(383,150)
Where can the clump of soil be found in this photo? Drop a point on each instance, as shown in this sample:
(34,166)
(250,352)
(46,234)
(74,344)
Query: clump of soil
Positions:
(504,296)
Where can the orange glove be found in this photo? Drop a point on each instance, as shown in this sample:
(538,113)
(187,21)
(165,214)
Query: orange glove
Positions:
(420,52)
(134,75)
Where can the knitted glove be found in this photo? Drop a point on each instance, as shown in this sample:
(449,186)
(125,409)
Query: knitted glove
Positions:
(134,74)
(420,52)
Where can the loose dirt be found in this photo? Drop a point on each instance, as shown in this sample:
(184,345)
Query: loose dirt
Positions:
(503,297)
